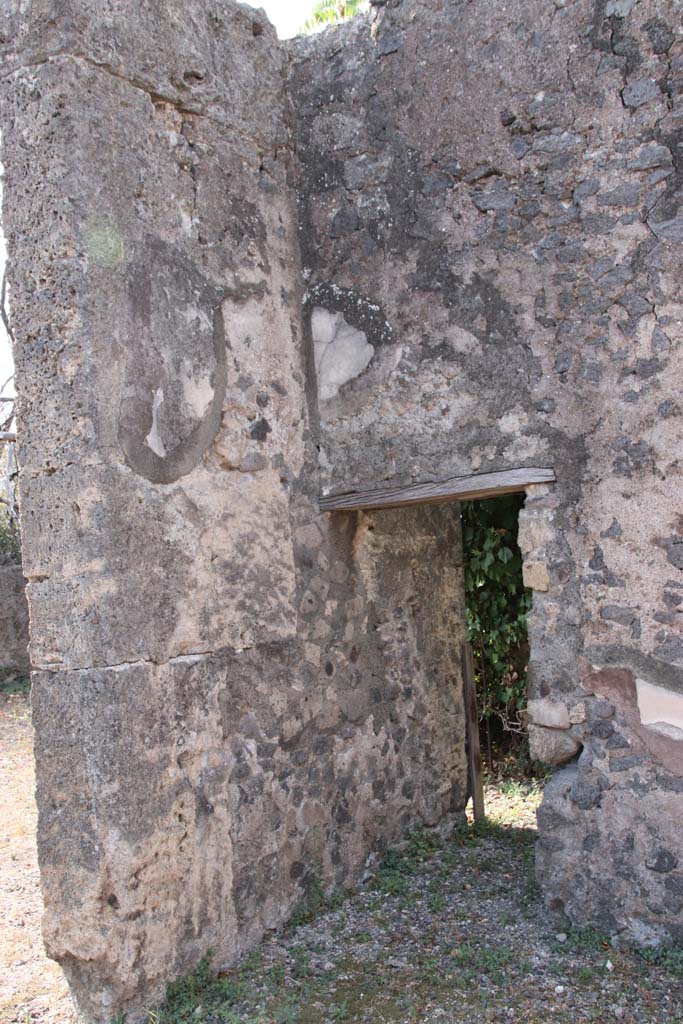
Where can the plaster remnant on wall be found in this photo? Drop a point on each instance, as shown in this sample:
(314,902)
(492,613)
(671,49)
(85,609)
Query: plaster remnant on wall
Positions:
(153,440)
(660,709)
(198,393)
(342,352)
(173,335)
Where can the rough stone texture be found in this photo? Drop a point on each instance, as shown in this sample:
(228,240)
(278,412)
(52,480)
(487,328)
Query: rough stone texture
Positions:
(235,697)
(550,713)
(492,193)
(13,619)
(234,694)
(628,839)
(142,244)
(552,746)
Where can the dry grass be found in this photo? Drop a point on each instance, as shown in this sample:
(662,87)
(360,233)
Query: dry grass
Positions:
(32,987)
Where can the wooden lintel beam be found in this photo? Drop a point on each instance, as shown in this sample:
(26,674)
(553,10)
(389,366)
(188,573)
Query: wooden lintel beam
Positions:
(460,488)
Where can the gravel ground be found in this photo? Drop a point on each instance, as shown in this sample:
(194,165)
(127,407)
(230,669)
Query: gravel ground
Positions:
(447,930)
(450,930)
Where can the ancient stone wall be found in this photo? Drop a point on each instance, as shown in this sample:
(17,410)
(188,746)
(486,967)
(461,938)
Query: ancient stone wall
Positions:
(491,223)
(235,697)
(477,207)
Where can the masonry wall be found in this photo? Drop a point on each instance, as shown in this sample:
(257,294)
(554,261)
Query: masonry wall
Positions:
(477,206)
(491,229)
(235,697)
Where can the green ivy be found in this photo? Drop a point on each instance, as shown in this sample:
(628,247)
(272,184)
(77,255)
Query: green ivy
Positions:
(497,606)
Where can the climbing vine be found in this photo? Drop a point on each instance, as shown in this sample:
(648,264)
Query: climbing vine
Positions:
(497,606)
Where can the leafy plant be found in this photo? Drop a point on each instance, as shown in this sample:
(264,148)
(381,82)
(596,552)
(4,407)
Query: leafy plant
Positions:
(497,607)
(288,1013)
(585,939)
(316,901)
(326,12)
(397,867)
(12,682)
(10,545)
(670,958)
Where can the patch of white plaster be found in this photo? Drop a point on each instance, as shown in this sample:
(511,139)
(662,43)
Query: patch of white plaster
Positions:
(513,422)
(198,394)
(153,440)
(342,352)
(187,224)
(660,709)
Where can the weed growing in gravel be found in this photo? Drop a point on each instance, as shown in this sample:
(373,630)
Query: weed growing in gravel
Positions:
(398,867)
(316,901)
(519,789)
(489,960)
(288,1013)
(301,968)
(181,999)
(585,939)
(490,828)
(204,993)
(487,864)
(670,958)
(437,901)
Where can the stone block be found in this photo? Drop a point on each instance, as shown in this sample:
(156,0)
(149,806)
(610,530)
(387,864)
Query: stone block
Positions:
(550,713)
(103,546)
(640,91)
(536,576)
(533,533)
(577,713)
(552,746)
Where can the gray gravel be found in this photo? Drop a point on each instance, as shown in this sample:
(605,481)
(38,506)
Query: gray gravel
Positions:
(449,930)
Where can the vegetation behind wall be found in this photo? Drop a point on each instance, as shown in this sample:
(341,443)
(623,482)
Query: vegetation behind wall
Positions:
(497,607)
(10,549)
(326,12)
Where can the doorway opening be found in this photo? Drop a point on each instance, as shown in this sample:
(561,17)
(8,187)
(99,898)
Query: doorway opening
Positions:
(497,605)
